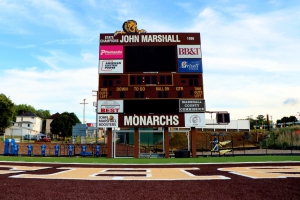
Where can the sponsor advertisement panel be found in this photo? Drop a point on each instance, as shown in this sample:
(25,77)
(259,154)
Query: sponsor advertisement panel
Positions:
(110,66)
(108,120)
(191,105)
(190,65)
(194,119)
(189,51)
(110,106)
(110,52)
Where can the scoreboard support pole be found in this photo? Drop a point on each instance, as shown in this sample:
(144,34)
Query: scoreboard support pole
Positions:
(193,138)
(166,141)
(109,143)
(136,142)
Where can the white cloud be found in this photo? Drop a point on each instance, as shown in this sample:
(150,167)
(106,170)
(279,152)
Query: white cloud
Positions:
(9,23)
(47,13)
(57,59)
(291,101)
(54,90)
(209,15)
(242,94)
(70,41)
(250,53)
(186,6)
(88,57)
(26,46)
(57,15)
(274,2)
(248,40)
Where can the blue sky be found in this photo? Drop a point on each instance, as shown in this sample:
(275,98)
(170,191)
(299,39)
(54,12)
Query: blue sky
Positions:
(250,50)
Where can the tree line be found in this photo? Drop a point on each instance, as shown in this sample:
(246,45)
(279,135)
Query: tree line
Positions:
(261,120)
(9,111)
(61,125)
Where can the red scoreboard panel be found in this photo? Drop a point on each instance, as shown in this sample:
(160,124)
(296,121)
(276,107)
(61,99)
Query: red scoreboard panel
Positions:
(150,72)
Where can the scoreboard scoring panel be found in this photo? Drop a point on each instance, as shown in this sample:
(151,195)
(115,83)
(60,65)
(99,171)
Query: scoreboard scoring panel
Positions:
(150,92)
(161,79)
(151,72)
(161,85)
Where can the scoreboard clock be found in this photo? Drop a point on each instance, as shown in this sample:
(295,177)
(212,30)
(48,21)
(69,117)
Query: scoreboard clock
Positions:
(152,72)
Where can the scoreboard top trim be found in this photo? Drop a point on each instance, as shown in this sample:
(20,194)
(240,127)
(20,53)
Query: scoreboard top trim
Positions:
(150,39)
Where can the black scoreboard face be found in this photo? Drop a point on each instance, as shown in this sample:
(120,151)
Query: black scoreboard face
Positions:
(150,59)
(151,73)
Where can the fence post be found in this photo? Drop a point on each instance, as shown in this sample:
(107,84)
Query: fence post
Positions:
(266,145)
(244,144)
(291,142)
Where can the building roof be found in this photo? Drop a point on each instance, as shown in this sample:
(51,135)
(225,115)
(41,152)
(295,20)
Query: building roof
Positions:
(27,114)
(54,116)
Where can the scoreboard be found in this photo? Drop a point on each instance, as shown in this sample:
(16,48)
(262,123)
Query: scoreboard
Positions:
(150,73)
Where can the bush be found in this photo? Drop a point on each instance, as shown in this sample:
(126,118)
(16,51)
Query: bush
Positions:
(284,145)
(178,141)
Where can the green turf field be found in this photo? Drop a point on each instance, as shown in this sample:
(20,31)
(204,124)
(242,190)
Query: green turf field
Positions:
(102,160)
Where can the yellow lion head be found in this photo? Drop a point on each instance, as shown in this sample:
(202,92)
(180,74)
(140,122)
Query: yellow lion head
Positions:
(111,118)
(130,27)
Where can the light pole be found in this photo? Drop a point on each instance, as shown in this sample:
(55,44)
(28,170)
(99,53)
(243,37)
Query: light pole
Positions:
(83,111)
(248,117)
(96,105)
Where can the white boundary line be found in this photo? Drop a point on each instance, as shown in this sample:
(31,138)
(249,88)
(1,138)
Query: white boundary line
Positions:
(158,164)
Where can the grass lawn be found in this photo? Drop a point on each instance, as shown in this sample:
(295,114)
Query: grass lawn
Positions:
(102,160)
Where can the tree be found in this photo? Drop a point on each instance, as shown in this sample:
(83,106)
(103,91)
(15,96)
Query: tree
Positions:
(23,108)
(292,119)
(260,118)
(7,109)
(253,123)
(62,125)
(44,114)
(287,119)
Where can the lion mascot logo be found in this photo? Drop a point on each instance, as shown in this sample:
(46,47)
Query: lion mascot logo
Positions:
(130,27)
(111,118)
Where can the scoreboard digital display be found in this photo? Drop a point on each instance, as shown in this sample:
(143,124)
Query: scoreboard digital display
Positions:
(151,72)
(149,59)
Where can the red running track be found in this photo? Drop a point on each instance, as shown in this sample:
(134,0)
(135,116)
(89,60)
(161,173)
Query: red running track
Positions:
(277,181)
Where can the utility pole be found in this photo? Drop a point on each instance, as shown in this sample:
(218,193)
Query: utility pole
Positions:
(268,122)
(83,111)
(248,117)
